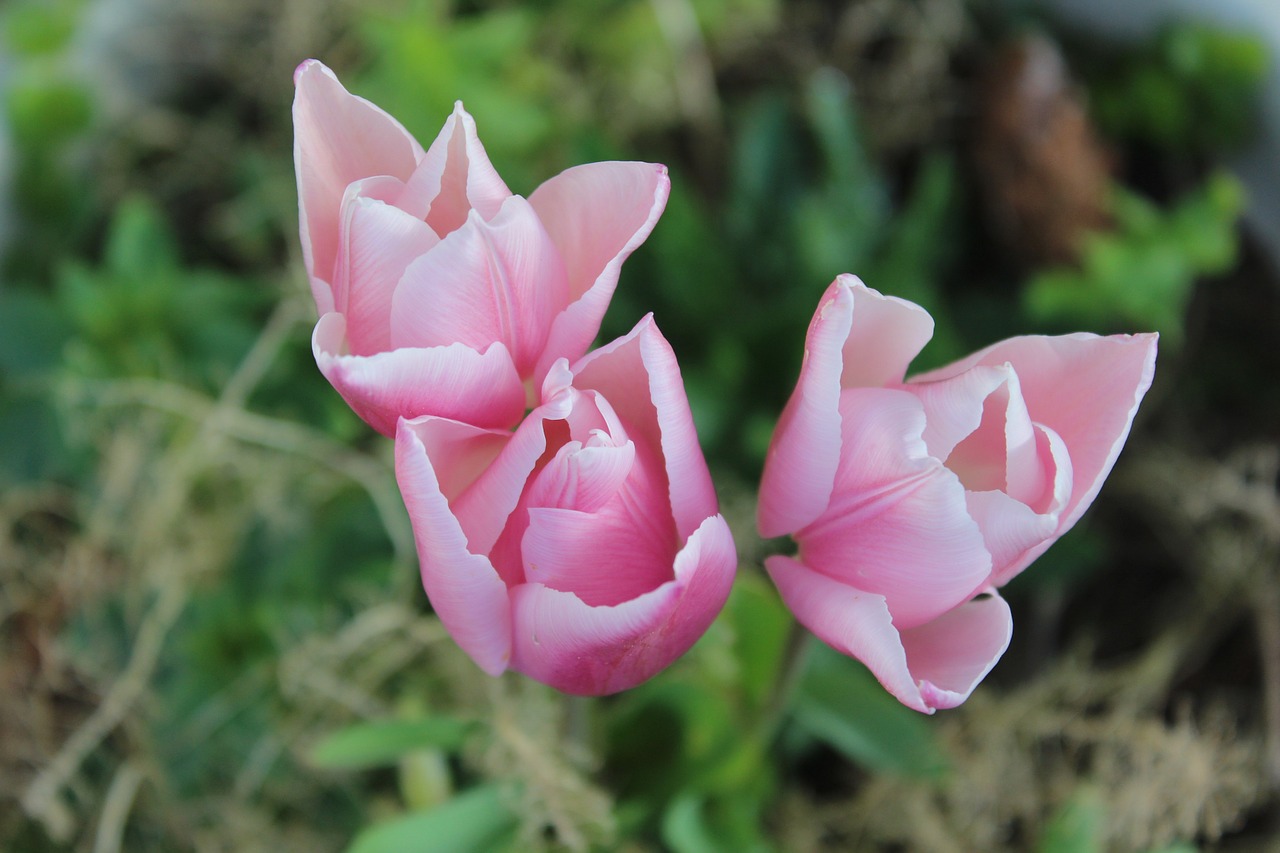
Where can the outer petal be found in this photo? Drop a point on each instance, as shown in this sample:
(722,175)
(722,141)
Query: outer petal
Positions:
(457,382)
(1086,389)
(597,214)
(951,654)
(887,333)
(897,524)
(465,590)
(594,651)
(338,138)
(800,467)
(454,178)
(639,376)
(487,281)
(378,241)
(935,665)
(851,621)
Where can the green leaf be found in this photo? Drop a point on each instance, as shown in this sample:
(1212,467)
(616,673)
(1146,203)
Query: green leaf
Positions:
(32,333)
(383,743)
(684,828)
(140,246)
(693,823)
(760,623)
(1077,827)
(842,704)
(37,29)
(478,821)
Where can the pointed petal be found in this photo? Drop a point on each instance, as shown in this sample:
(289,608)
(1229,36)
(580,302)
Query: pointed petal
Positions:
(453,381)
(487,281)
(1085,388)
(597,215)
(594,651)
(338,138)
(897,524)
(454,178)
(887,333)
(639,376)
(949,656)
(465,591)
(851,621)
(378,242)
(800,467)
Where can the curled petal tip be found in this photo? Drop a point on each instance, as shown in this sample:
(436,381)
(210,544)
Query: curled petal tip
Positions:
(302,68)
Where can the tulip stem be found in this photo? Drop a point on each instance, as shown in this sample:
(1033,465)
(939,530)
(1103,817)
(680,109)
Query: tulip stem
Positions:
(577,727)
(791,666)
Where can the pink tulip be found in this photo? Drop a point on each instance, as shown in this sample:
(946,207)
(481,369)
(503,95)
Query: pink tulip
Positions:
(585,549)
(439,291)
(912,502)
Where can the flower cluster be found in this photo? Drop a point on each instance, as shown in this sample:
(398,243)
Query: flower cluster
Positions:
(565,519)
(585,547)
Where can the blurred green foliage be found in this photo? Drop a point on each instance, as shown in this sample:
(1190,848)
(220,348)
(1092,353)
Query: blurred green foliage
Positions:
(142,312)
(1191,90)
(1141,274)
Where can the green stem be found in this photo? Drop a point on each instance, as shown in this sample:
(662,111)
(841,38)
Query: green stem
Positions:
(791,667)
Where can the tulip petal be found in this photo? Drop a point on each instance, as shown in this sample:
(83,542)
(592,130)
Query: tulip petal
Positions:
(561,641)
(954,407)
(1085,388)
(978,424)
(597,215)
(378,242)
(1009,527)
(897,524)
(639,376)
(1016,537)
(454,178)
(487,281)
(851,621)
(465,590)
(950,655)
(453,381)
(887,333)
(800,467)
(935,665)
(338,138)
(583,478)
(632,533)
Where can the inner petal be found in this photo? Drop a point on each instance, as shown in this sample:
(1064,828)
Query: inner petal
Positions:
(487,281)
(605,547)
(378,242)
(981,460)
(978,423)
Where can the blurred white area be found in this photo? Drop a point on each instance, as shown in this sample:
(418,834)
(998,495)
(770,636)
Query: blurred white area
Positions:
(1258,166)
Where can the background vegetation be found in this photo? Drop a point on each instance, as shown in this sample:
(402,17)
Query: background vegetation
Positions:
(212,634)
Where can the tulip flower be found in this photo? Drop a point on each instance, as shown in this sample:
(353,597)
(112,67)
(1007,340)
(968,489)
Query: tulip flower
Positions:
(585,548)
(911,502)
(439,291)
